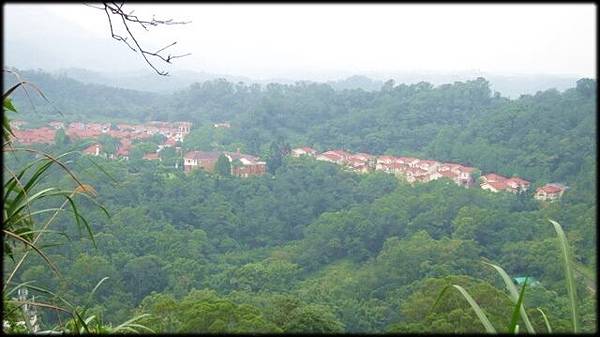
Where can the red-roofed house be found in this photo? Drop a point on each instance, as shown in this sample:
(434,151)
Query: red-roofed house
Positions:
(42,135)
(93,150)
(550,192)
(245,165)
(449,167)
(492,177)
(123,148)
(384,163)
(416,174)
(170,142)
(359,167)
(494,186)
(56,124)
(17,124)
(449,174)
(465,175)
(303,151)
(200,159)
(386,159)
(428,165)
(385,167)
(334,156)
(151,156)
(517,185)
(397,168)
(361,156)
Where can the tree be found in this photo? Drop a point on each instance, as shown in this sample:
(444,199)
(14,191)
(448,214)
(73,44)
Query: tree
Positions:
(452,314)
(61,138)
(143,275)
(169,156)
(109,144)
(313,318)
(223,166)
(277,150)
(586,87)
(204,311)
(158,138)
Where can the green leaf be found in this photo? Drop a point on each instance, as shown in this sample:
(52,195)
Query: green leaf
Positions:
(7,104)
(480,314)
(478,311)
(548,327)
(513,327)
(514,294)
(564,246)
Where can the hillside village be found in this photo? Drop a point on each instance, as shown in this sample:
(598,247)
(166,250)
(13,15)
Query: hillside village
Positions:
(244,165)
(425,170)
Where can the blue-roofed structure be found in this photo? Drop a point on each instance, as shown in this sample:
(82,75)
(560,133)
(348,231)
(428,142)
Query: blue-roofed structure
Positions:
(531,281)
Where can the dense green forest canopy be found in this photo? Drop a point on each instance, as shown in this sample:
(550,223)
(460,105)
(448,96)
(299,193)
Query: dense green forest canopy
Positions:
(309,246)
(549,136)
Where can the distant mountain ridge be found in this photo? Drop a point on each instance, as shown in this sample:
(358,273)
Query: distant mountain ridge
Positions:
(511,86)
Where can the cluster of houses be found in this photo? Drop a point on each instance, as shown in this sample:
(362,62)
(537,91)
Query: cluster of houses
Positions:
(424,170)
(242,165)
(125,133)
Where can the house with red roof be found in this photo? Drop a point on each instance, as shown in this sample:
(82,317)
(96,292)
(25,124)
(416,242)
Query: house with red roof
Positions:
(16,124)
(549,192)
(465,175)
(359,167)
(386,159)
(385,167)
(93,150)
(360,156)
(517,185)
(334,156)
(414,174)
(245,165)
(123,148)
(200,160)
(42,135)
(448,174)
(494,186)
(56,124)
(411,162)
(303,151)
(449,167)
(170,142)
(428,165)
(495,183)
(151,156)
(384,163)
(397,169)
(492,177)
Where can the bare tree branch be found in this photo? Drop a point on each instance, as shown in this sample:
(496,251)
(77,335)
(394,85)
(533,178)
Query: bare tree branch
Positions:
(113,9)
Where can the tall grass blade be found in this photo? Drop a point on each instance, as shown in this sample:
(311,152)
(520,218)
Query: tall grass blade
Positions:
(128,325)
(37,250)
(514,294)
(480,314)
(545,320)
(564,246)
(96,288)
(514,326)
(439,297)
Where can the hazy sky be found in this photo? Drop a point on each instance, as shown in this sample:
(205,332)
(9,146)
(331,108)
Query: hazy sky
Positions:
(264,41)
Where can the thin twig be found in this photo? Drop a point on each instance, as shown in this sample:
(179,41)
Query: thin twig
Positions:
(113,8)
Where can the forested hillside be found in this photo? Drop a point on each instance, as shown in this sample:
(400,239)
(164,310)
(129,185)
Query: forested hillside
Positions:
(311,247)
(547,137)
